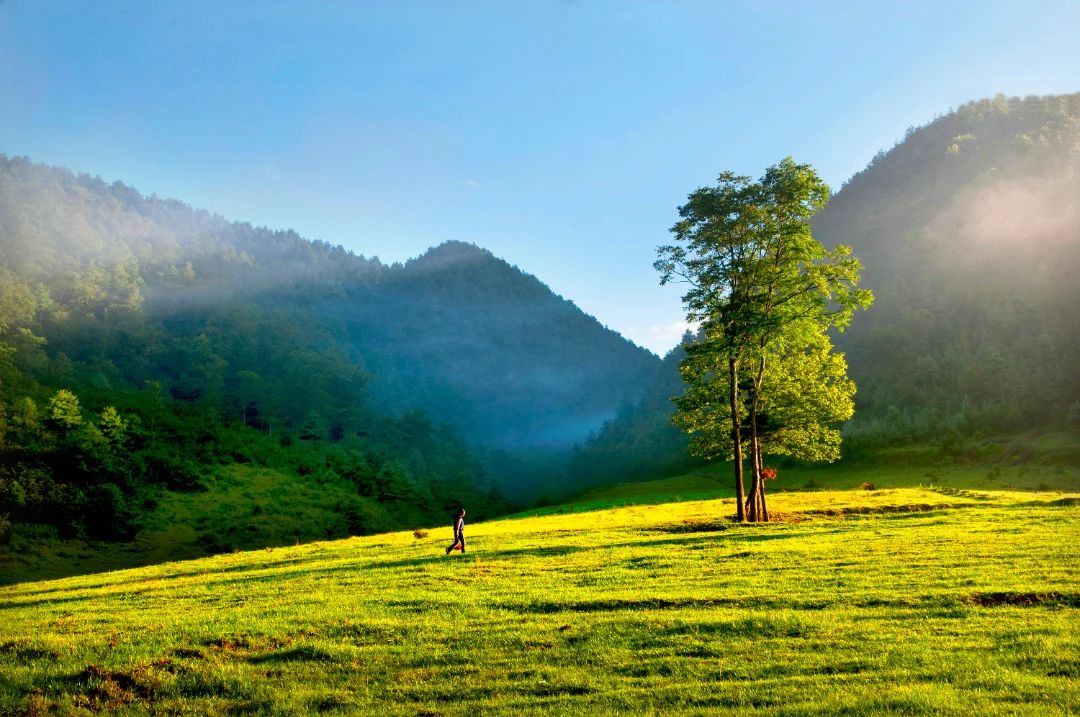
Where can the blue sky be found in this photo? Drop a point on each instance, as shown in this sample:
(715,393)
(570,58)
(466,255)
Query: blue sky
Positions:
(562,136)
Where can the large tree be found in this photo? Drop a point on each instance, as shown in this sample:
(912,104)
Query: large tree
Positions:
(756,276)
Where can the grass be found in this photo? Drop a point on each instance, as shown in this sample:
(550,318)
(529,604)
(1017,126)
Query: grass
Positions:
(715,482)
(243,507)
(911,600)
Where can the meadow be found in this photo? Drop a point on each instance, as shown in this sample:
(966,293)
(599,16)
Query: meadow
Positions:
(896,600)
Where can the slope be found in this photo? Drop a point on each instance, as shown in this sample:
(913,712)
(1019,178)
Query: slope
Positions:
(969,231)
(458,333)
(147,348)
(491,350)
(868,602)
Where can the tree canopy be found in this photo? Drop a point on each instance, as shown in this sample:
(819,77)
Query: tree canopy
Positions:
(763,291)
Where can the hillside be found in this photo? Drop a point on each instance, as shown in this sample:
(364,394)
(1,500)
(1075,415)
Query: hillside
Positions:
(969,231)
(150,351)
(969,234)
(490,350)
(464,336)
(908,600)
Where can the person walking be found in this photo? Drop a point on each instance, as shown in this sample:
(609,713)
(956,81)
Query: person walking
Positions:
(459,532)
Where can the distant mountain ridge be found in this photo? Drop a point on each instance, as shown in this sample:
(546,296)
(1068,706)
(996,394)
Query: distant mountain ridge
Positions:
(527,366)
(457,332)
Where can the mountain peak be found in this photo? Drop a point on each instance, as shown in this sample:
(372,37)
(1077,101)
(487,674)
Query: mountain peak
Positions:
(449,253)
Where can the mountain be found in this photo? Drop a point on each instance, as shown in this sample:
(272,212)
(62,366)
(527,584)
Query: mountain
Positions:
(149,350)
(491,350)
(969,234)
(475,342)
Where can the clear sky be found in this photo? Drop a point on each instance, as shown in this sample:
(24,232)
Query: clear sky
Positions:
(562,136)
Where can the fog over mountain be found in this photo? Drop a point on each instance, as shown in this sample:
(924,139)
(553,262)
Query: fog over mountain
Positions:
(163,369)
(476,343)
(969,234)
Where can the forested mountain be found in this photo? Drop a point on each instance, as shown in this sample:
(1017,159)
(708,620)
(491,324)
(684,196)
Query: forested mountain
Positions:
(457,332)
(969,234)
(491,350)
(145,344)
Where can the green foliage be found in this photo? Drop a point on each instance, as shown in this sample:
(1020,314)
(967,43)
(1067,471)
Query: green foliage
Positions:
(805,396)
(972,258)
(764,292)
(64,414)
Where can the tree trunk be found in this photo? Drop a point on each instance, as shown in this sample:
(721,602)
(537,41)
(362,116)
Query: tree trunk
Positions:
(764,507)
(764,510)
(756,501)
(736,436)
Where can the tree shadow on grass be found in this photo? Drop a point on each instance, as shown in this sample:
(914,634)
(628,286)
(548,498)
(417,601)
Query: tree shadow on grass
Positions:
(204,572)
(302,653)
(20,604)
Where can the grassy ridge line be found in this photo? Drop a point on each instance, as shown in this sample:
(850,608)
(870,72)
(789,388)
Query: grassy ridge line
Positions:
(970,607)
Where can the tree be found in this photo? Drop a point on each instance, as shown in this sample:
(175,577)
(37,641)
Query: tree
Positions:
(756,276)
(64,412)
(112,426)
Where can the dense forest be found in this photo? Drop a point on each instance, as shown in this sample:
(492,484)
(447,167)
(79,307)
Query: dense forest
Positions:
(969,234)
(969,230)
(148,349)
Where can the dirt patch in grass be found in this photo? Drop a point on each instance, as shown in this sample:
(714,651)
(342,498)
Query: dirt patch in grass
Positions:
(104,689)
(246,645)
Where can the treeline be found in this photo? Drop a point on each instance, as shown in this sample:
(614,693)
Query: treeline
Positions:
(101,473)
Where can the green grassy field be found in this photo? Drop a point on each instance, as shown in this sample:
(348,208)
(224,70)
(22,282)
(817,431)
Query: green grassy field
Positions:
(942,600)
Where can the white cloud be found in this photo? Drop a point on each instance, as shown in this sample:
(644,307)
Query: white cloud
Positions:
(669,335)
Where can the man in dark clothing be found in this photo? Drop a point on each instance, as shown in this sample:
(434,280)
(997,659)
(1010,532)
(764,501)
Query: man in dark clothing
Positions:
(459,532)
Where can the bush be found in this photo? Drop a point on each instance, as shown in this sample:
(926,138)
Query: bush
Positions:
(173,473)
(108,514)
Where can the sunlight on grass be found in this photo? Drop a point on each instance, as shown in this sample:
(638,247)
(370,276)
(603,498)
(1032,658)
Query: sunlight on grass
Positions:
(911,600)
